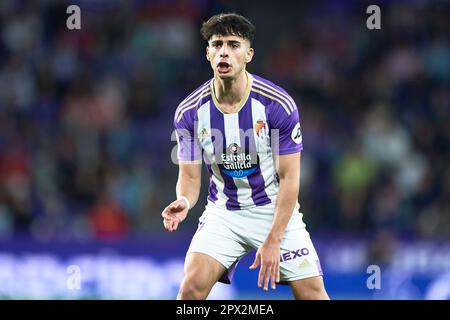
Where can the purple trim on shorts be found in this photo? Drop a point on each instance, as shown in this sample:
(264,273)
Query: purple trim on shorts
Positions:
(319,267)
(227,276)
(201,224)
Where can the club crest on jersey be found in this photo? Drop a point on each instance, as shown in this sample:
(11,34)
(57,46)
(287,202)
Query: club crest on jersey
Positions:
(260,125)
(237,162)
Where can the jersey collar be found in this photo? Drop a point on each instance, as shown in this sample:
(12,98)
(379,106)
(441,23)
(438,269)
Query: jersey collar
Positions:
(244,97)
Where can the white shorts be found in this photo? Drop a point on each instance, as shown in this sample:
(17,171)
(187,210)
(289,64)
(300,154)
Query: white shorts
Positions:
(228,235)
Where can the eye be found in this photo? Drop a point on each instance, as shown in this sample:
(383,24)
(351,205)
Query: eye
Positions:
(235,45)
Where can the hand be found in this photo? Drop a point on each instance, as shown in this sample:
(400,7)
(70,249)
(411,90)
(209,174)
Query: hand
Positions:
(174,213)
(268,255)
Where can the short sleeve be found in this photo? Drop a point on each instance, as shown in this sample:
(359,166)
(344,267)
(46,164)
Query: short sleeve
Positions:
(286,130)
(188,145)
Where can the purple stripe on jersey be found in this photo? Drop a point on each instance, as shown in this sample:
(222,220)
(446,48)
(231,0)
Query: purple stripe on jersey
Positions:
(194,149)
(266,102)
(189,148)
(255,180)
(212,190)
(272,117)
(230,190)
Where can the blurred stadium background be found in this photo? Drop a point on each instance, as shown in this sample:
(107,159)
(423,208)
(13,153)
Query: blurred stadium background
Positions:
(85,142)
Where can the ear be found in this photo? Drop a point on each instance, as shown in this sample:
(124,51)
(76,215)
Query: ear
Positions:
(207,53)
(249,55)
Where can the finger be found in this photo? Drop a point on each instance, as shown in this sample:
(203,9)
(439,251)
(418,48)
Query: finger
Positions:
(267,275)
(278,272)
(166,224)
(175,225)
(262,272)
(167,213)
(274,276)
(255,263)
(171,224)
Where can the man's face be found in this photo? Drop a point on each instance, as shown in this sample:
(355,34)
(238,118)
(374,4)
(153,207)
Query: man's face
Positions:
(228,55)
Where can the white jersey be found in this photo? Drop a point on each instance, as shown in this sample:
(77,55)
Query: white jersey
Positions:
(239,148)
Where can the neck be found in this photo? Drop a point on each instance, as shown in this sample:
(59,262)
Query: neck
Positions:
(230,91)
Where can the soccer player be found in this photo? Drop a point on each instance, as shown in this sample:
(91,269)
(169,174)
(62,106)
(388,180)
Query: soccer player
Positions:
(249,133)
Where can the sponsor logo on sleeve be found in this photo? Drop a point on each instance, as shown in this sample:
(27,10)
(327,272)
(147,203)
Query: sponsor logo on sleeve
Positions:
(296,134)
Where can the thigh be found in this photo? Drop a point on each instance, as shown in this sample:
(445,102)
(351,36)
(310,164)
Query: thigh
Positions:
(309,289)
(217,238)
(202,271)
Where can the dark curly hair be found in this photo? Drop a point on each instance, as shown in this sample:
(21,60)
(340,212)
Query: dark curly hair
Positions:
(225,24)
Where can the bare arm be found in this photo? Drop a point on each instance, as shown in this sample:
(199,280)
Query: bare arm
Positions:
(269,253)
(289,173)
(189,180)
(188,186)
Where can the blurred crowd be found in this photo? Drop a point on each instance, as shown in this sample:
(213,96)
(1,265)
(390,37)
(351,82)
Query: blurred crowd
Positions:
(86,115)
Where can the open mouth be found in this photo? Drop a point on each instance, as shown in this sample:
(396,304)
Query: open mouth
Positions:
(223,67)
